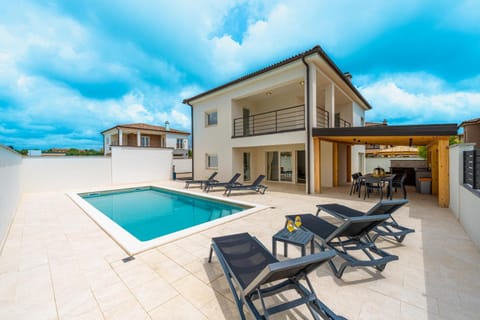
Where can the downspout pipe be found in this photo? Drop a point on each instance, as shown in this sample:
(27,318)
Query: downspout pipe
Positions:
(309,132)
(191,126)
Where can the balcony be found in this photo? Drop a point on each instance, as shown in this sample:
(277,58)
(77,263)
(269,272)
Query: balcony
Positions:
(323,119)
(341,123)
(281,120)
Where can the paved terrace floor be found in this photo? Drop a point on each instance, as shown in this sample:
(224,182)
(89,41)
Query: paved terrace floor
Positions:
(58,264)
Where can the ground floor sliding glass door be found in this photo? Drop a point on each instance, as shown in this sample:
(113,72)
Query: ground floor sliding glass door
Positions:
(301,172)
(279,166)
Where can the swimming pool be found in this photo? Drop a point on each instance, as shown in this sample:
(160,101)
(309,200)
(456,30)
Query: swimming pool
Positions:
(143,217)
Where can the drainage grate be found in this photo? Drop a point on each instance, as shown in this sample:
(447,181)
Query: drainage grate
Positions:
(127,259)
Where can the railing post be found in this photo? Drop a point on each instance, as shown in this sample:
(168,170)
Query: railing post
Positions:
(253,125)
(276,121)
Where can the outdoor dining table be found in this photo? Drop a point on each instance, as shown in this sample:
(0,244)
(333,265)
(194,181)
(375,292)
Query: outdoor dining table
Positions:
(379,180)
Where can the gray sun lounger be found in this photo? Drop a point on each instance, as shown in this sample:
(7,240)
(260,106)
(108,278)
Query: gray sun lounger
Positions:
(387,228)
(250,270)
(201,182)
(255,186)
(215,184)
(350,236)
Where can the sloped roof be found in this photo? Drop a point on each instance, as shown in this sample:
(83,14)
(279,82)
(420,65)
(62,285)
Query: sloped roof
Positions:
(144,126)
(471,121)
(315,50)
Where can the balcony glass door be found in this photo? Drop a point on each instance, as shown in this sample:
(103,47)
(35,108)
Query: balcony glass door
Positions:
(279,166)
(246,122)
(301,176)
(285,166)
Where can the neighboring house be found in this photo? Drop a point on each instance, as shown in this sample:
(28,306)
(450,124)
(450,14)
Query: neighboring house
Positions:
(264,123)
(148,136)
(471,131)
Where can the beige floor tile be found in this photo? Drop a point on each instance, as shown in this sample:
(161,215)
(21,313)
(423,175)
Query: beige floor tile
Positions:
(177,308)
(109,297)
(220,285)
(154,293)
(220,308)
(177,253)
(75,303)
(28,310)
(194,290)
(205,271)
(8,286)
(126,310)
(164,266)
(378,306)
(33,281)
(95,314)
(9,260)
(134,273)
(409,311)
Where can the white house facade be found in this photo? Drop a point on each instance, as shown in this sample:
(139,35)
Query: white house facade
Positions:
(263,123)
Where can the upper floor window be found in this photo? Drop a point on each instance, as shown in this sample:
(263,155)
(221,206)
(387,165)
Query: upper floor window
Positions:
(211,118)
(211,161)
(180,144)
(145,141)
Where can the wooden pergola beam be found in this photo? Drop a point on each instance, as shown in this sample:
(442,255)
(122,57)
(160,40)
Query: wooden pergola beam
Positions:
(443,174)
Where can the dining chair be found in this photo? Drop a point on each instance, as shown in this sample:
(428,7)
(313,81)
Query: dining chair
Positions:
(355,182)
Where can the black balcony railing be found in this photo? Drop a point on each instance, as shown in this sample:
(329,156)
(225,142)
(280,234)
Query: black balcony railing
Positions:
(282,120)
(323,118)
(340,123)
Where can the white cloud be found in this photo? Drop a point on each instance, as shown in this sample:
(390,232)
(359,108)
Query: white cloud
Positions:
(158,54)
(292,25)
(428,101)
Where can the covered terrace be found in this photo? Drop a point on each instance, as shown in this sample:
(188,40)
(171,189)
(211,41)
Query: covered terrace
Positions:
(434,137)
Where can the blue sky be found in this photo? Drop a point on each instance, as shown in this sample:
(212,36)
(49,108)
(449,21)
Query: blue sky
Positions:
(70,69)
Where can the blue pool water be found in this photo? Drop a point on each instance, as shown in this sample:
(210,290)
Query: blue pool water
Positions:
(148,213)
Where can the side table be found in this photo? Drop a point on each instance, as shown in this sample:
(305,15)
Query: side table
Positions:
(299,237)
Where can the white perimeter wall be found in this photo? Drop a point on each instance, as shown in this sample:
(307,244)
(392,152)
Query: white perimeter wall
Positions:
(463,202)
(126,165)
(182,165)
(10,188)
(130,165)
(61,173)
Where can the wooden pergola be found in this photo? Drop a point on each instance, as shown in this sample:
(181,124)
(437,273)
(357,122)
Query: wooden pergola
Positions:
(434,137)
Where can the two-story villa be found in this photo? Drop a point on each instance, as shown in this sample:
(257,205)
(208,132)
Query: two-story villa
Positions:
(264,122)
